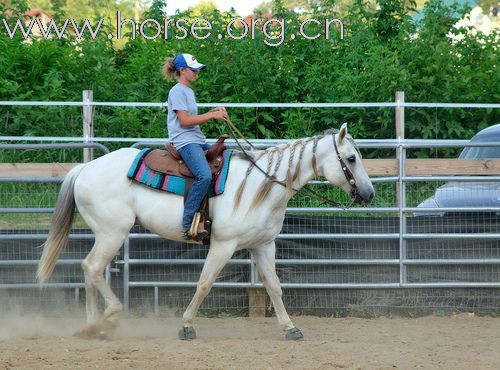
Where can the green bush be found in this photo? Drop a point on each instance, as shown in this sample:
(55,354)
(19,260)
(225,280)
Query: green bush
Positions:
(383,51)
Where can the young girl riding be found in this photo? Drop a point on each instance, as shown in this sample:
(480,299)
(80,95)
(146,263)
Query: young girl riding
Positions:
(183,124)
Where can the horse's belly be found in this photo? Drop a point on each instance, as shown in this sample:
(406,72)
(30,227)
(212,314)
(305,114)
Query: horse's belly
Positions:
(159,211)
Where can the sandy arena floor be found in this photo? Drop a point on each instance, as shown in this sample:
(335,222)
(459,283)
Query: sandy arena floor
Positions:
(457,342)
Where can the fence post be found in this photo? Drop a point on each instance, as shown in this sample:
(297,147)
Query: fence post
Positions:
(400,130)
(401,186)
(88,124)
(400,114)
(256,295)
(257,302)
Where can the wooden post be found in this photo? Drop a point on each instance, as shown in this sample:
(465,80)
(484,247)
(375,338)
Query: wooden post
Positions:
(88,124)
(400,115)
(257,302)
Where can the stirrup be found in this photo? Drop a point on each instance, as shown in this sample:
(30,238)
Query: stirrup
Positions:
(196,232)
(198,237)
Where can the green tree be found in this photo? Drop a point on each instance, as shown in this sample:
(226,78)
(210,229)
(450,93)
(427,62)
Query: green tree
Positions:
(156,10)
(264,7)
(384,50)
(204,7)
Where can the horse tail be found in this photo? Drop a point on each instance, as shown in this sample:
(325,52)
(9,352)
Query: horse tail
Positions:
(60,227)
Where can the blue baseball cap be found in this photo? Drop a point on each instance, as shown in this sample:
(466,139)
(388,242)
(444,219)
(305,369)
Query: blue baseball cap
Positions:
(187,61)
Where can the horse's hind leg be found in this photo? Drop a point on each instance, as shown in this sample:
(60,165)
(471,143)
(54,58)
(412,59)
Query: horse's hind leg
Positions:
(105,248)
(93,316)
(265,260)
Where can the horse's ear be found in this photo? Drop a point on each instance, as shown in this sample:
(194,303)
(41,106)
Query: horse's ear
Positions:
(343,132)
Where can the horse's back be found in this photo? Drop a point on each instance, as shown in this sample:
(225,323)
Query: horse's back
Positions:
(114,162)
(105,173)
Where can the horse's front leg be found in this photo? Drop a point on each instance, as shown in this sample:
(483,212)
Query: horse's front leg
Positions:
(218,255)
(265,260)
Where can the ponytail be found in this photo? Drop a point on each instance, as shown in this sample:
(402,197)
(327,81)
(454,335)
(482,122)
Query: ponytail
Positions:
(168,69)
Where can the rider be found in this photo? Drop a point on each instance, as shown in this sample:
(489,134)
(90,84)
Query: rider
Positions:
(183,124)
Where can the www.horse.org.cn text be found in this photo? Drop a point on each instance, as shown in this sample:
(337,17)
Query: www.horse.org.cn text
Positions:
(271,31)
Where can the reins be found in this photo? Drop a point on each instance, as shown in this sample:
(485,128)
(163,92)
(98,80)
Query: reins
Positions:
(348,174)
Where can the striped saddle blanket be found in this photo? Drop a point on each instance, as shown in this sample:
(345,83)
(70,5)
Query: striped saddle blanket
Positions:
(173,184)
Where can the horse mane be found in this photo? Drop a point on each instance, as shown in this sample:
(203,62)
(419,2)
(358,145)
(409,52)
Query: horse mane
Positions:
(272,152)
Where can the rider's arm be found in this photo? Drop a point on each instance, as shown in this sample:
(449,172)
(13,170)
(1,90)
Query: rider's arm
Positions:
(187,120)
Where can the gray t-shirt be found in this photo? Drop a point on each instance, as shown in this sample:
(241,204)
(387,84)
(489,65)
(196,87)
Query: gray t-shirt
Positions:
(182,97)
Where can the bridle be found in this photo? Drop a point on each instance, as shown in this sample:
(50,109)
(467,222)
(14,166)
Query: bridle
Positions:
(347,172)
(345,169)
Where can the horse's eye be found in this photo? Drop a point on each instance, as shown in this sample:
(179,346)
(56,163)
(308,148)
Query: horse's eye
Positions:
(351,158)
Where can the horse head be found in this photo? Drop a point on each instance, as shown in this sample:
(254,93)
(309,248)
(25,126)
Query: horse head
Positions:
(339,161)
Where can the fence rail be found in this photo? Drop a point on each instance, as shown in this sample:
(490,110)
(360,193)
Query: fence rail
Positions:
(395,104)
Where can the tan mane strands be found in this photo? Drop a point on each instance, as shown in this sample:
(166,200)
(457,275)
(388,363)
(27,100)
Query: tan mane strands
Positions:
(239,192)
(262,194)
(267,184)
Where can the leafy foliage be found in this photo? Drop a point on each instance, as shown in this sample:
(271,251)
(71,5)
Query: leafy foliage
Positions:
(383,51)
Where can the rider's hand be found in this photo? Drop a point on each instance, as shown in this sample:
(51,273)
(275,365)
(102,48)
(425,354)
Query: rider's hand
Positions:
(219,113)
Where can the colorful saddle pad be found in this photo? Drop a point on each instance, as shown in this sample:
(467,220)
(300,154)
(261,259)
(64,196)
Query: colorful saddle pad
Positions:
(141,173)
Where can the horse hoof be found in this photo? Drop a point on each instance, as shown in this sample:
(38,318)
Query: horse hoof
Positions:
(94,331)
(294,334)
(103,329)
(187,333)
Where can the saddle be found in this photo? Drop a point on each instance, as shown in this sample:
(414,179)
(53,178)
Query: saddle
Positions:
(170,162)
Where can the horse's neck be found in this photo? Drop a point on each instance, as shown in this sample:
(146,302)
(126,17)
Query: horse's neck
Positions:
(288,168)
(290,163)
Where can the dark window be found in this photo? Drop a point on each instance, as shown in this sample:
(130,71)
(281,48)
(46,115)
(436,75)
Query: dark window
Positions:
(485,151)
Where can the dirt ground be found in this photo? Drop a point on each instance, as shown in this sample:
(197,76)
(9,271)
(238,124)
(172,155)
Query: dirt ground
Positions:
(457,342)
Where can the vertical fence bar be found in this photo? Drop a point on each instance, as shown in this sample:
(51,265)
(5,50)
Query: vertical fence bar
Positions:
(401,186)
(126,276)
(156,301)
(107,274)
(402,218)
(254,278)
(88,123)
(400,128)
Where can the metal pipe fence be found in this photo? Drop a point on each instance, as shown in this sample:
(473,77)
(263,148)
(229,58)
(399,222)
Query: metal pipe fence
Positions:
(139,268)
(382,256)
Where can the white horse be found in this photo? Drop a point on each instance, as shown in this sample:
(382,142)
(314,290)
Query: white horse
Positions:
(249,214)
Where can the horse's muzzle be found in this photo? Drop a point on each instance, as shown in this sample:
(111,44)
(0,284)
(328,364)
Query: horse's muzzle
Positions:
(364,197)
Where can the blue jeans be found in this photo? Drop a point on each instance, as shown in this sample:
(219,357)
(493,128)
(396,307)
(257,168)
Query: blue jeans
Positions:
(194,157)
